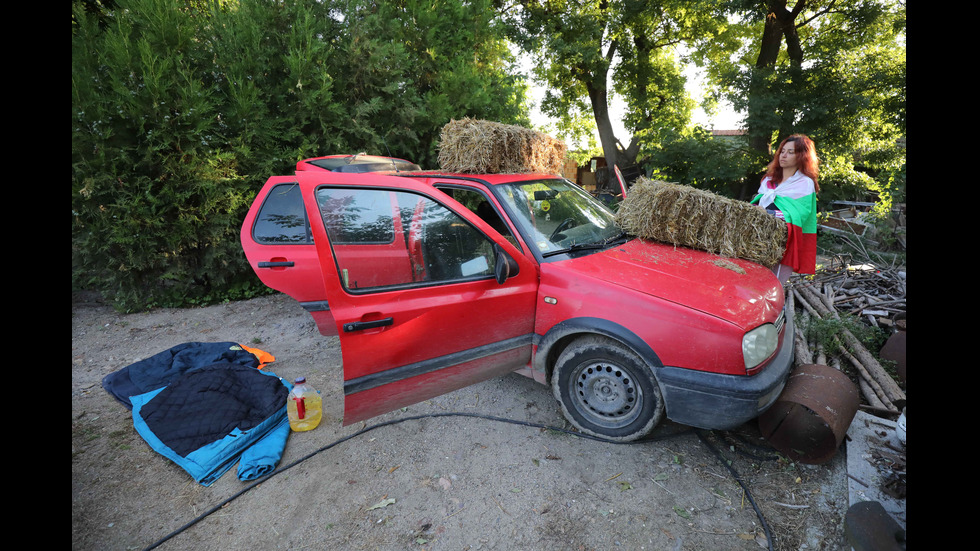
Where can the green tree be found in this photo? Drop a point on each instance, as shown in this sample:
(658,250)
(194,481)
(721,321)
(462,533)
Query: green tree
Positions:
(831,69)
(154,200)
(584,49)
(413,65)
(272,67)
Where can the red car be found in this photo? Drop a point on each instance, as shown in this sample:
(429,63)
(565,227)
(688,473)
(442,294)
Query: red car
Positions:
(436,281)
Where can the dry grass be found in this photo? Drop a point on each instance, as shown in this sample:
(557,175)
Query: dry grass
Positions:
(682,215)
(482,147)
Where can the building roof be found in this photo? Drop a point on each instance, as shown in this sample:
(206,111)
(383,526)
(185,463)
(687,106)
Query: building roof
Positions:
(740,132)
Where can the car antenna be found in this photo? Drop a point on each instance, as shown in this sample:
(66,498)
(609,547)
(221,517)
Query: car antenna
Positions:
(393,164)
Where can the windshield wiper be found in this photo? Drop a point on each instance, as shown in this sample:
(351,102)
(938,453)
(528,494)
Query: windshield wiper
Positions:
(588,246)
(572,248)
(616,238)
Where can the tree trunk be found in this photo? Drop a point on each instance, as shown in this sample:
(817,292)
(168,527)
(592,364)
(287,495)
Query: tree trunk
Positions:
(595,82)
(772,39)
(780,24)
(600,108)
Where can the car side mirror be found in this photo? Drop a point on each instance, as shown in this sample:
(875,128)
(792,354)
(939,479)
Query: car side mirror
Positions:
(504,267)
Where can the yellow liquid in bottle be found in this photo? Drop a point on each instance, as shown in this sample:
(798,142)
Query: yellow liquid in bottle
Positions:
(313,410)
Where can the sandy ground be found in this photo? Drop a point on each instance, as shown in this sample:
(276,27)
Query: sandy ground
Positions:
(458,483)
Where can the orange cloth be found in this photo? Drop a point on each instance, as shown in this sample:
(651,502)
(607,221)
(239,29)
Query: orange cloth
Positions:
(264,357)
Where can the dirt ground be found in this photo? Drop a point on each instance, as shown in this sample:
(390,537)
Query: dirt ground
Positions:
(457,483)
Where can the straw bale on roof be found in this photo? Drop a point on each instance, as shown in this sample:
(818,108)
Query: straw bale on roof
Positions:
(474,146)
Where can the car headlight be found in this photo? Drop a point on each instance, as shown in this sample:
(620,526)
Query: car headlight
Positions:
(758,344)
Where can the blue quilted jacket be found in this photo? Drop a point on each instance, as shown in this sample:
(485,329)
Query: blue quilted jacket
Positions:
(207,417)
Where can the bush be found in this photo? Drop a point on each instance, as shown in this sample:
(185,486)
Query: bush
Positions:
(719,165)
(156,198)
(181,110)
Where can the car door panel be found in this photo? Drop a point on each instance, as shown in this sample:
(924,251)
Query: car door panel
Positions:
(446,325)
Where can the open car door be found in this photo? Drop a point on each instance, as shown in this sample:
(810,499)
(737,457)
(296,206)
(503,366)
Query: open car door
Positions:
(620,182)
(424,301)
(278,243)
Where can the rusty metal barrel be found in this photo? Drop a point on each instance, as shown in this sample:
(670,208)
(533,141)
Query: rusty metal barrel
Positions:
(810,418)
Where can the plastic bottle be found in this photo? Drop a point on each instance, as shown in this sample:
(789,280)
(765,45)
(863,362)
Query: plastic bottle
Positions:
(304,406)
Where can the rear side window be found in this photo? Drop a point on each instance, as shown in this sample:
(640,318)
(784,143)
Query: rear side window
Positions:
(282,218)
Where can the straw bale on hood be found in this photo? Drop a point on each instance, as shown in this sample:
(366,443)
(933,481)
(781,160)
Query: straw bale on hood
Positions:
(683,215)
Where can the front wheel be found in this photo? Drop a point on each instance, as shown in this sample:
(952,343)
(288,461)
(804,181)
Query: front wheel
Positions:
(606,390)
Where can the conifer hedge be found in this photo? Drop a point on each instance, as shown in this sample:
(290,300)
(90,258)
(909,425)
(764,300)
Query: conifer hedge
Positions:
(181,110)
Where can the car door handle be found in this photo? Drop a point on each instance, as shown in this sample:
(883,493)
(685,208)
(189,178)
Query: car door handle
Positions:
(360,325)
(277,264)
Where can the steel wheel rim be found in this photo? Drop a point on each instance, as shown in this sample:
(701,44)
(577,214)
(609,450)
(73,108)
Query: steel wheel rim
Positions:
(607,394)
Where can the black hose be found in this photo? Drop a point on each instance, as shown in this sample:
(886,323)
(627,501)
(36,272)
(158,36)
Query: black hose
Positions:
(745,488)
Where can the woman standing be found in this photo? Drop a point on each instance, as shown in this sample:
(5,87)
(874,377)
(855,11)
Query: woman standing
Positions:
(789,192)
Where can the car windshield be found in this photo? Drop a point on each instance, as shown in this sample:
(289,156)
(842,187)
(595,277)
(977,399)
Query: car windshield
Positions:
(558,216)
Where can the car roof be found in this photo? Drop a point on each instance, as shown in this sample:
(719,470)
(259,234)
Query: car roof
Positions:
(360,162)
(356,163)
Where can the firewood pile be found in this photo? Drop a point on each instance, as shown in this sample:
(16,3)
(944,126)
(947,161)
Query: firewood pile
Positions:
(867,294)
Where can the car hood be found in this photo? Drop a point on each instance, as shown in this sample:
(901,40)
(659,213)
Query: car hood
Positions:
(738,291)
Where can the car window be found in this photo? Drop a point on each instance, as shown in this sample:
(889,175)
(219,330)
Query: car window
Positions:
(355,216)
(480,205)
(427,242)
(282,218)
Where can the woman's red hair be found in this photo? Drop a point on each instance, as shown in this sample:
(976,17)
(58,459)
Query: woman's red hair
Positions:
(806,155)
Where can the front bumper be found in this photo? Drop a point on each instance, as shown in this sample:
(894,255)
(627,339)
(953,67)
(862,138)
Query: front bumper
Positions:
(714,401)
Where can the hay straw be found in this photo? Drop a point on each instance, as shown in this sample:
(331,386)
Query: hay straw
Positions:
(473,146)
(682,215)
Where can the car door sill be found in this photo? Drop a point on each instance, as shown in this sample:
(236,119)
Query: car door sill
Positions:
(396,374)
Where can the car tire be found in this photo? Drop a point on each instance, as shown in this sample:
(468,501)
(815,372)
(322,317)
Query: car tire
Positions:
(606,390)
